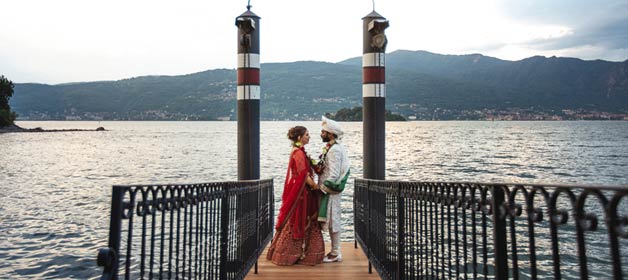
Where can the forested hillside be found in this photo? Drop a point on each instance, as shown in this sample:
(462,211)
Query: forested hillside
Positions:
(419,84)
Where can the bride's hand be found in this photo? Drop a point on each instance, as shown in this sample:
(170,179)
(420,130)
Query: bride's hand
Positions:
(311,183)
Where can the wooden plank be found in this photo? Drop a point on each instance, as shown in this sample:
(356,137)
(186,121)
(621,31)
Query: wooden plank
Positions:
(354,265)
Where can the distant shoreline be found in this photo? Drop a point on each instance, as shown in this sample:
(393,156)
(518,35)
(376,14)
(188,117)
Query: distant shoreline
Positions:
(17,129)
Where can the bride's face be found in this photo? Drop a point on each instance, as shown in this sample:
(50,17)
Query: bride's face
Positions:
(305,138)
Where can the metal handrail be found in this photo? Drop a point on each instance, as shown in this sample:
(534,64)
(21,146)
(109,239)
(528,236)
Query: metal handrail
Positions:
(211,231)
(464,230)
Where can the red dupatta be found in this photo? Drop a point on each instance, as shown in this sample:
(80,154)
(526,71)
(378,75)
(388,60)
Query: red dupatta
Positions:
(304,204)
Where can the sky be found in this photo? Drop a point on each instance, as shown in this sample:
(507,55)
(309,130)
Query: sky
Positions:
(66,41)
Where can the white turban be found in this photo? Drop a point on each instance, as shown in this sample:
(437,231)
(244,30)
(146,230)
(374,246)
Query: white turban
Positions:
(332,126)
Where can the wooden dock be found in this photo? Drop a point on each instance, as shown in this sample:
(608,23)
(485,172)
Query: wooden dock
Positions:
(354,265)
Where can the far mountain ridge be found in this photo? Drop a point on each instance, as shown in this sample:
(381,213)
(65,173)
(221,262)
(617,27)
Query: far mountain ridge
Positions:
(419,83)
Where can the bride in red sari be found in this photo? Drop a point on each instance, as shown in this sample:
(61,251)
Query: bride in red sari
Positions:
(298,237)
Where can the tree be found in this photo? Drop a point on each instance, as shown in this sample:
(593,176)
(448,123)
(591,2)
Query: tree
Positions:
(355,115)
(7,117)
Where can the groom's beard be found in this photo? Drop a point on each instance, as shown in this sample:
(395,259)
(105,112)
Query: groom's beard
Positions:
(326,138)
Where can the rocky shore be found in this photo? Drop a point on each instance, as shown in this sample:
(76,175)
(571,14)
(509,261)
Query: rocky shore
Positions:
(15,128)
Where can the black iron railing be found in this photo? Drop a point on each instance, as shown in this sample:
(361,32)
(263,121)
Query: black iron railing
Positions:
(198,231)
(421,230)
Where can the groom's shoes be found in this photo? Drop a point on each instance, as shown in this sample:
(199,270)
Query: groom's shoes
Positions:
(332,258)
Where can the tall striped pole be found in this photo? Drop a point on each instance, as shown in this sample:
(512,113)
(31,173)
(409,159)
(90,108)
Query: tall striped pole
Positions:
(248,94)
(374,96)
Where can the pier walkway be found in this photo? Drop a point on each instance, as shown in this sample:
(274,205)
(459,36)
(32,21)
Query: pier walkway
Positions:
(354,265)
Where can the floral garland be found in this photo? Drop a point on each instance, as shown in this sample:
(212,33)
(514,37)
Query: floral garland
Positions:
(320,165)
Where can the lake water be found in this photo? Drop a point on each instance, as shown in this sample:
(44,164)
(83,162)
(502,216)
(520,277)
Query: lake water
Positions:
(56,187)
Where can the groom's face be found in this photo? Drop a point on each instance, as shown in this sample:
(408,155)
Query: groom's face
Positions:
(326,136)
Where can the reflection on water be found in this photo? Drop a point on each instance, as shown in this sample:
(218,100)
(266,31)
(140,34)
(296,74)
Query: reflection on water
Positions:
(56,187)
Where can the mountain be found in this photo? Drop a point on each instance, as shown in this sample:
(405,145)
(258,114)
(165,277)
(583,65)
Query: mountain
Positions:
(149,97)
(419,83)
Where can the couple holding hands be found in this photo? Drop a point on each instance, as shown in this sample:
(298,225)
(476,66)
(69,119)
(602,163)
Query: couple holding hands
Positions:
(309,207)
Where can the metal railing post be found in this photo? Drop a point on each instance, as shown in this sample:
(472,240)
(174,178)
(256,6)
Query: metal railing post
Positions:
(224,232)
(499,233)
(368,232)
(400,234)
(257,224)
(614,223)
(109,257)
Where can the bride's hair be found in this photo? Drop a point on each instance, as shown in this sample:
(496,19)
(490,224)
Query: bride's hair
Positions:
(295,132)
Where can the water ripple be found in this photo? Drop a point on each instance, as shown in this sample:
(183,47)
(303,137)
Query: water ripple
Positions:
(57,186)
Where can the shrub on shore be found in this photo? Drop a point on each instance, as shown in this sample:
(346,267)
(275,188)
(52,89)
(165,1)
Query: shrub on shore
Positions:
(7,117)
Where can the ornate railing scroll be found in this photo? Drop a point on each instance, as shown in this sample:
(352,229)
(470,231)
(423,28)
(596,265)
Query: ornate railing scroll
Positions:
(198,231)
(437,230)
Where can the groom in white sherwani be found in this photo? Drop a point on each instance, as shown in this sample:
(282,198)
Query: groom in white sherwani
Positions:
(331,182)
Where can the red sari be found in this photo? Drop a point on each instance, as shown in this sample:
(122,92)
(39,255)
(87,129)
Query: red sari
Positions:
(298,237)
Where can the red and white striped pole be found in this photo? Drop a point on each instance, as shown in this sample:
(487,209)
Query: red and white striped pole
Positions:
(374,96)
(248,94)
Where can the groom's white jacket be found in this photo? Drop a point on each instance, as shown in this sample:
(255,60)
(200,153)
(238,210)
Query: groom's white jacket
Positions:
(337,166)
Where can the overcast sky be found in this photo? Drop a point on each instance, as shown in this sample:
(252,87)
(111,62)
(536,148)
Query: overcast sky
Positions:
(79,40)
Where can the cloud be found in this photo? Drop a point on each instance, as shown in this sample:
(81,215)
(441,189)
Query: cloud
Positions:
(562,11)
(611,34)
(594,27)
